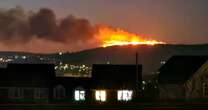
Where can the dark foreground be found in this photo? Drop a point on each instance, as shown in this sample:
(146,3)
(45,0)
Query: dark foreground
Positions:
(135,106)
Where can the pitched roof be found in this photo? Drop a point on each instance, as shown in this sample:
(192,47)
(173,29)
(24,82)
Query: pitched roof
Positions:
(179,69)
(73,82)
(115,76)
(27,74)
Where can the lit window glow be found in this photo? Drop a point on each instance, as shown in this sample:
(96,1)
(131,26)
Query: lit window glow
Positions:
(100,95)
(79,95)
(124,95)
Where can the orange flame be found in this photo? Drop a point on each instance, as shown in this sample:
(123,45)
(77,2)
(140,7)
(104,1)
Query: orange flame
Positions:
(112,37)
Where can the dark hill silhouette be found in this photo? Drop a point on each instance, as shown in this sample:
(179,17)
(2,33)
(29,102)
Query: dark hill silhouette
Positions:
(149,56)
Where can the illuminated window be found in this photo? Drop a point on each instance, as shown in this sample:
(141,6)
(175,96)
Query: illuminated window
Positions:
(100,95)
(124,95)
(79,95)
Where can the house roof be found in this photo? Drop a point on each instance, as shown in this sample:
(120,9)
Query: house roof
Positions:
(178,69)
(115,76)
(73,82)
(27,74)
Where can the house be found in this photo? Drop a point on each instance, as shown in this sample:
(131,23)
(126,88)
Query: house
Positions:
(37,83)
(26,83)
(71,89)
(115,82)
(109,83)
(184,78)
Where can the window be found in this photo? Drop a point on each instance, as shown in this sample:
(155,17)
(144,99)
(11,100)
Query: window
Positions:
(59,92)
(100,95)
(40,93)
(79,95)
(205,89)
(124,95)
(15,93)
(3,92)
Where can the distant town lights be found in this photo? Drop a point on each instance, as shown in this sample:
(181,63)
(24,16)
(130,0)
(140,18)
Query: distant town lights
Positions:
(16,56)
(24,57)
(60,53)
(108,62)
(162,62)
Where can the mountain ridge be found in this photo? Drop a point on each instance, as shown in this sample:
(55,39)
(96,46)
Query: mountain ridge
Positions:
(149,56)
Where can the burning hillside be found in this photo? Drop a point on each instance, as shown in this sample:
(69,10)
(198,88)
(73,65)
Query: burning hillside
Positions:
(111,37)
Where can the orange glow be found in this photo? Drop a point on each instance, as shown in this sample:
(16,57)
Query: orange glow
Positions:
(112,37)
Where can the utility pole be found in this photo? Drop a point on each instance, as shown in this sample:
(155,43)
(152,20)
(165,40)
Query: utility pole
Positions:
(138,77)
(137,73)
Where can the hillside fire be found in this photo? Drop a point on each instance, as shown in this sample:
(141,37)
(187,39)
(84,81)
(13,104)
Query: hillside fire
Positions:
(112,37)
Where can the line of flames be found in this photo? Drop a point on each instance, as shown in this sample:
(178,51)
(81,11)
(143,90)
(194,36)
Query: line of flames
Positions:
(112,37)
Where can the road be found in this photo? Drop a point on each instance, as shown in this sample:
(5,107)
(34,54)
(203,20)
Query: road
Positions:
(132,106)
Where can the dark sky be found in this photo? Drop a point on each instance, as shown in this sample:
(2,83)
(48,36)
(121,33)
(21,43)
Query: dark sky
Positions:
(172,21)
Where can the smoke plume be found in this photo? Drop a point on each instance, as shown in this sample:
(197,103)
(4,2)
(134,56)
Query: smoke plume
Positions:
(18,27)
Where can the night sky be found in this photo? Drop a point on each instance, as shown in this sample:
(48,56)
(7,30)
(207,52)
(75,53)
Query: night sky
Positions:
(172,21)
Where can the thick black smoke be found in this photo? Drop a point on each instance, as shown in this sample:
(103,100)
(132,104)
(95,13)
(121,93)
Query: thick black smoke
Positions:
(21,26)
(14,25)
(43,24)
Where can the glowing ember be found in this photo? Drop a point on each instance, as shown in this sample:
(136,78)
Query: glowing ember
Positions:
(111,37)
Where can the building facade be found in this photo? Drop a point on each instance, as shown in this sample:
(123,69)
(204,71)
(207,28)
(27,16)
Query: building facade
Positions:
(37,83)
(26,83)
(116,82)
(184,78)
